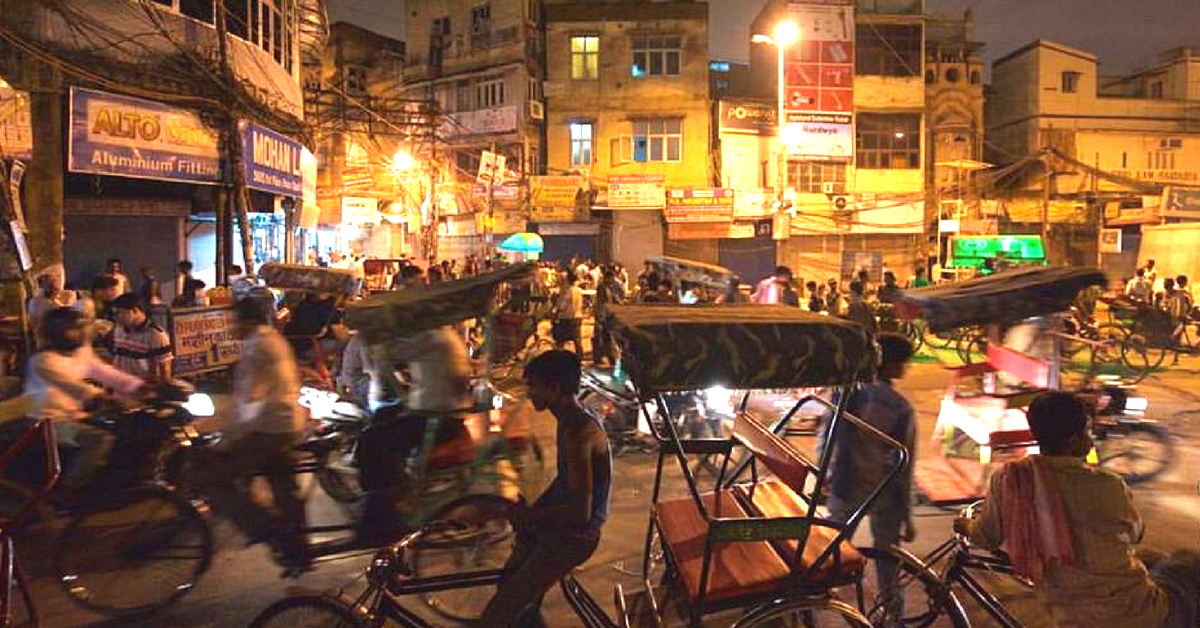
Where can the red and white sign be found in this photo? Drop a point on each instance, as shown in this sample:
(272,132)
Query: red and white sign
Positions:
(819,80)
(699,205)
(637,191)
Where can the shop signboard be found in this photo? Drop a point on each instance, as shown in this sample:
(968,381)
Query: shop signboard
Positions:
(203,339)
(559,192)
(272,161)
(16,128)
(357,210)
(751,117)
(1110,240)
(971,251)
(699,205)
(131,137)
(637,191)
(568,229)
(1181,203)
(819,80)
(754,204)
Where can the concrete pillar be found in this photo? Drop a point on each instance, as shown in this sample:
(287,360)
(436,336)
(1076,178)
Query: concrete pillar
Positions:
(44,181)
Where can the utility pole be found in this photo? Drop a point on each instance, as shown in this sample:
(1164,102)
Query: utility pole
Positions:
(1099,210)
(1046,201)
(489,227)
(239,198)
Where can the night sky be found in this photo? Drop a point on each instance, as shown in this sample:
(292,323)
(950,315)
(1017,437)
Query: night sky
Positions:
(1125,34)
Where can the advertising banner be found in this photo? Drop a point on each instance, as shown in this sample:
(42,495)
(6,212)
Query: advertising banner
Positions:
(203,339)
(272,161)
(16,127)
(819,80)
(561,192)
(1181,203)
(710,230)
(637,191)
(752,117)
(130,137)
(357,210)
(699,205)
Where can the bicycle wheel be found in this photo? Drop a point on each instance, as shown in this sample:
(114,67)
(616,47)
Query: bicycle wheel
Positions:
(972,349)
(941,340)
(915,332)
(308,611)
(810,612)
(337,476)
(1108,353)
(919,598)
(1138,354)
(1139,452)
(134,554)
(484,541)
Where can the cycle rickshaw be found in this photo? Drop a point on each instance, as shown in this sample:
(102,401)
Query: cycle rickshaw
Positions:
(982,416)
(756,539)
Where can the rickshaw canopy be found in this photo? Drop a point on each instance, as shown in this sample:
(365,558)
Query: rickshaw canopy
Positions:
(677,348)
(309,278)
(406,312)
(1005,297)
(709,275)
(523,243)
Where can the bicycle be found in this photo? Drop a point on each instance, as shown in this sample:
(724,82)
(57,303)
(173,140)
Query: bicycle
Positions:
(11,573)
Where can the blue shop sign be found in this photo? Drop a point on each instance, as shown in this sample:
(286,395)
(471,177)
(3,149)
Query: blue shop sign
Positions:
(272,161)
(131,137)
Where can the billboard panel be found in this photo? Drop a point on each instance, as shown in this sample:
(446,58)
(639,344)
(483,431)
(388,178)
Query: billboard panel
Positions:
(819,80)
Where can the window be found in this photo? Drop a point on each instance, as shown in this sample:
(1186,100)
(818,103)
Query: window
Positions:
(585,58)
(888,50)
(489,93)
(481,19)
(952,75)
(1070,82)
(462,96)
(975,78)
(1160,160)
(1124,160)
(237,13)
(811,176)
(1156,89)
(888,141)
(198,9)
(657,140)
(581,143)
(656,56)
(439,41)
(356,79)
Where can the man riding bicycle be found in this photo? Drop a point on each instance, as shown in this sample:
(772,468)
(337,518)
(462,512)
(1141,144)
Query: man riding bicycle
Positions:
(1070,527)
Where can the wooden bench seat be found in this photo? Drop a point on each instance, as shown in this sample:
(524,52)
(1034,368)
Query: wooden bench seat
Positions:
(737,569)
(773,498)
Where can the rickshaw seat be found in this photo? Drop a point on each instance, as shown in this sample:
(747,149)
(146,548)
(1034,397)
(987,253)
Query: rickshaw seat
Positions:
(788,464)
(773,498)
(737,568)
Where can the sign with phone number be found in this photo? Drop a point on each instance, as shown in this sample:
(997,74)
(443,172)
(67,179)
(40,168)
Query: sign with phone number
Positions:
(203,340)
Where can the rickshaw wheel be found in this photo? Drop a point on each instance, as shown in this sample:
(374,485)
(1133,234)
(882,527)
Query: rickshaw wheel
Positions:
(816,611)
(926,598)
(483,541)
(1139,354)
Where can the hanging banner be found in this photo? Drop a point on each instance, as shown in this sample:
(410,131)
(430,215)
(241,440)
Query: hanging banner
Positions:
(272,161)
(754,117)
(359,211)
(699,205)
(819,80)
(131,137)
(637,191)
(16,126)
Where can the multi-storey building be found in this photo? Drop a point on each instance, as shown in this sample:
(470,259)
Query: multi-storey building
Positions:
(860,202)
(627,108)
(481,62)
(1122,149)
(135,110)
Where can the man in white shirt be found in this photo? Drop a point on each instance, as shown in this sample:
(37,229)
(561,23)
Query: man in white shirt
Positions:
(1139,288)
(258,439)
(568,319)
(113,269)
(58,386)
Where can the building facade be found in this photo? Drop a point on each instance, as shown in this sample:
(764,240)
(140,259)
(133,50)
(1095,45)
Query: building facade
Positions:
(369,204)
(144,119)
(482,64)
(860,205)
(1103,151)
(627,109)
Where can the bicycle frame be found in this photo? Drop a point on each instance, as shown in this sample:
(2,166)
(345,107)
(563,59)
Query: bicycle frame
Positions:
(383,603)
(10,570)
(959,571)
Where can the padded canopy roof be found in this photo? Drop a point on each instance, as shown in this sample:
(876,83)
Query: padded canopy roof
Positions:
(674,348)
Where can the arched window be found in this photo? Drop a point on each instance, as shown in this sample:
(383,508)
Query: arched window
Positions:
(930,77)
(952,75)
(975,77)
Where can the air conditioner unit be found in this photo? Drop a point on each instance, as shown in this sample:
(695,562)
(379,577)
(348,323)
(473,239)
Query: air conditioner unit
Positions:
(537,110)
(833,187)
(842,202)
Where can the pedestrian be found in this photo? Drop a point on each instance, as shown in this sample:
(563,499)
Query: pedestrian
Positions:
(1151,272)
(1162,298)
(919,280)
(862,463)
(770,288)
(113,269)
(50,296)
(833,298)
(105,289)
(139,346)
(1139,288)
(258,439)
(562,528)
(889,292)
(857,309)
(568,317)
(608,293)
(815,302)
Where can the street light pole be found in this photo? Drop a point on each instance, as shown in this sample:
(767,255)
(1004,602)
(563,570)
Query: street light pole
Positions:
(780,120)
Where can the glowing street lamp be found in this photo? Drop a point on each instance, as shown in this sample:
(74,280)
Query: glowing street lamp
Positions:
(786,33)
(402,161)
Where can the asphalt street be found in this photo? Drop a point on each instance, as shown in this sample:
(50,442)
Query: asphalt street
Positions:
(242,581)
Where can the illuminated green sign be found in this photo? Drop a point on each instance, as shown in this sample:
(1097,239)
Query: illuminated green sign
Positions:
(971,251)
